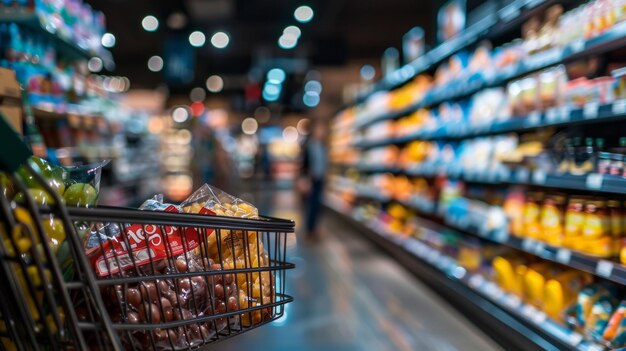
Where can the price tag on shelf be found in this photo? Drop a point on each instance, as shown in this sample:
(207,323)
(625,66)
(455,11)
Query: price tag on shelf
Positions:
(595,347)
(590,111)
(533,119)
(539,317)
(539,177)
(574,338)
(552,115)
(492,290)
(564,113)
(528,245)
(528,311)
(539,248)
(504,174)
(563,256)
(501,235)
(475,281)
(522,175)
(577,46)
(512,301)
(483,230)
(594,181)
(619,107)
(604,268)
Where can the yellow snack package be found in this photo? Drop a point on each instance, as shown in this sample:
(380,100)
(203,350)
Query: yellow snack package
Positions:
(534,282)
(561,291)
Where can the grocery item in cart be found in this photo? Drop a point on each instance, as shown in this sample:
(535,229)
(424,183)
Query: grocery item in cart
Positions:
(111,245)
(155,301)
(239,249)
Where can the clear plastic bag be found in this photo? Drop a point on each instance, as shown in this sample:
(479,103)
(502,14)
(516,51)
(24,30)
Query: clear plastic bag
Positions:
(211,200)
(239,249)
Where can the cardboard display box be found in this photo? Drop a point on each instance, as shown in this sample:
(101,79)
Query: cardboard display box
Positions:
(11,99)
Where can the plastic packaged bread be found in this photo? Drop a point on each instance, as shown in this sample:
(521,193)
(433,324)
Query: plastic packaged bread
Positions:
(239,249)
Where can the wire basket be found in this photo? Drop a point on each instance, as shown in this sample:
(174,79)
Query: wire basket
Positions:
(228,278)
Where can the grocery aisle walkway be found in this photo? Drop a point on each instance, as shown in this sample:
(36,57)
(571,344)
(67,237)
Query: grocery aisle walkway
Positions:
(350,296)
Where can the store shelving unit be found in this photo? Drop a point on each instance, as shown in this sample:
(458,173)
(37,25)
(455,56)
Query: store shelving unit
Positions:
(612,39)
(514,324)
(65,46)
(590,113)
(507,18)
(511,322)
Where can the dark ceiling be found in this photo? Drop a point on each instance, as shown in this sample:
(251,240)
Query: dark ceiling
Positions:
(341,31)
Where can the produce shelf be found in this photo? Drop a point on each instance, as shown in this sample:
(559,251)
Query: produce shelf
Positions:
(512,323)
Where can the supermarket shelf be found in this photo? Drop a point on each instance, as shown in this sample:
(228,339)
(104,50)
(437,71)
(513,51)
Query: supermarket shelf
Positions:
(522,176)
(507,18)
(65,46)
(515,325)
(597,266)
(613,271)
(613,38)
(590,113)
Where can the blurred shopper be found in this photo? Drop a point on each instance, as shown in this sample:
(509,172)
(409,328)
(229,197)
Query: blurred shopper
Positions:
(315,165)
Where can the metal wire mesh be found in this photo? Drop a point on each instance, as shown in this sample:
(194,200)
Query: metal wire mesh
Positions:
(134,288)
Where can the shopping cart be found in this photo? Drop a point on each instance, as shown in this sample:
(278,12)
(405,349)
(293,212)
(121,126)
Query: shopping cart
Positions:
(233,279)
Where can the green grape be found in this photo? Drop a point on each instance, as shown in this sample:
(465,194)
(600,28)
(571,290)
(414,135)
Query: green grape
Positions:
(80,194)
(40,166)
(56,182)
(40,197)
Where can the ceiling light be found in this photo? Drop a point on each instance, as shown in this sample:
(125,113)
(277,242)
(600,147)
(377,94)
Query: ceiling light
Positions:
(271,92)
(180,114)
(155,63)
(150,23)
(197,94)
(293,30)
(313,86)
(272,89)
(197,39)
(311,99)
(108,40)
(215,84)
(287,41)
(249,126)
(276,75)
(290,134)
(176,20)
(220,40)
(95,64)
(303,14)
(367,72)
(303,126)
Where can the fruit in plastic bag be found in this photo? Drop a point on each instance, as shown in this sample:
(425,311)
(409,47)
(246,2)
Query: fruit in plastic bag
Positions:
(80,195)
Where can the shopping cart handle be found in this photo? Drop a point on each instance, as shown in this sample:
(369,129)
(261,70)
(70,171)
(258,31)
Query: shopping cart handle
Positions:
(13,151)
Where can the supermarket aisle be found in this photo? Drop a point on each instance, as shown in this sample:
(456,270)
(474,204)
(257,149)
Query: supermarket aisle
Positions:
(350,296)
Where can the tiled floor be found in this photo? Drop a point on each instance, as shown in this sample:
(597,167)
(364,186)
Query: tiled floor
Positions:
(350,296)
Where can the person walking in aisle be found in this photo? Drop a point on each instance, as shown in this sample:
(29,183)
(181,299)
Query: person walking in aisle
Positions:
(315,165)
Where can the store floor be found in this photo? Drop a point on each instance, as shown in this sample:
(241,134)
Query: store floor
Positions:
(351,296)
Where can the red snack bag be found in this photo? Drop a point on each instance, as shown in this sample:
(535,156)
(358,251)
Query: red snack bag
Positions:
(136,245)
